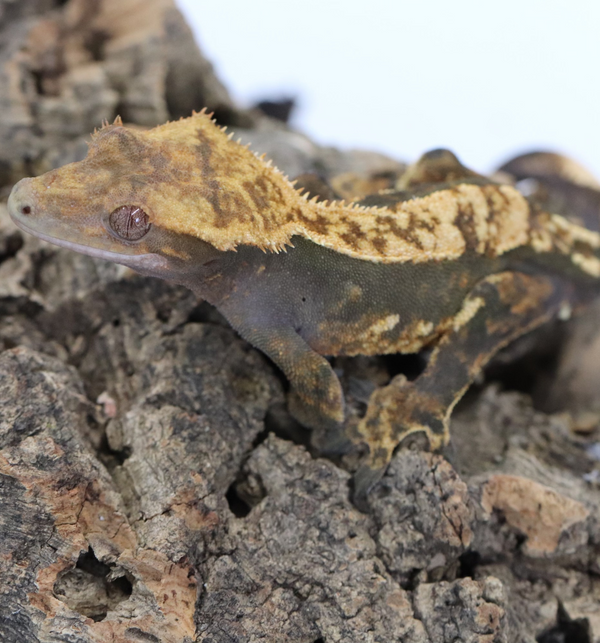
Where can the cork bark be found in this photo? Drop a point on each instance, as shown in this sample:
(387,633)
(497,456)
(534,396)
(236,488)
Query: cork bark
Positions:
(153,487)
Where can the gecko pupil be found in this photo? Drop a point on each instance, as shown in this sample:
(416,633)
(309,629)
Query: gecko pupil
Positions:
(129,222)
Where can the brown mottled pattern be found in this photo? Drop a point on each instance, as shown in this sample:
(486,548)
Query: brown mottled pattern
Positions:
(380,244)
(373,335)
(549,165)
(435,166)
(191,178)
(465,220)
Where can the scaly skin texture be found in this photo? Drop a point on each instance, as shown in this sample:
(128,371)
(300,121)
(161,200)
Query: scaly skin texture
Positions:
(452,261)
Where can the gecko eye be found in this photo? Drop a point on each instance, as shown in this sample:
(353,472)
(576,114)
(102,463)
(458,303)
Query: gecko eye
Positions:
(129,222)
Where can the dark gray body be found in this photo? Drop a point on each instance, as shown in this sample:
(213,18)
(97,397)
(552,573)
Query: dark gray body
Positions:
(332,301)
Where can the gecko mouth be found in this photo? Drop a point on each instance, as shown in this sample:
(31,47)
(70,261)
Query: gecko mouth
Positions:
(148,263)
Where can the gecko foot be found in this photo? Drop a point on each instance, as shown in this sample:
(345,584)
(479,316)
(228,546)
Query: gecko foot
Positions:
(395,412)
(362,482)
(332,442)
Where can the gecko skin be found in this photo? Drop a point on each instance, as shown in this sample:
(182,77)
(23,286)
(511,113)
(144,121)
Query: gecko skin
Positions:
(453,262)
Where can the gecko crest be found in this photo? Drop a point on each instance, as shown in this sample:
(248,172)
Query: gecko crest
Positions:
(190,177)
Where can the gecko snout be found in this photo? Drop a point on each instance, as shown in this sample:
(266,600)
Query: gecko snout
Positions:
(20,201)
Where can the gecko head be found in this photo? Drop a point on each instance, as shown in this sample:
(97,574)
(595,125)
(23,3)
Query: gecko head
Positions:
(135,199)
(147,193)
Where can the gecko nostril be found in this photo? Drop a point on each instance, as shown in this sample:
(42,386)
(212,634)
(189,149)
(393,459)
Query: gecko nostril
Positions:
(26,209)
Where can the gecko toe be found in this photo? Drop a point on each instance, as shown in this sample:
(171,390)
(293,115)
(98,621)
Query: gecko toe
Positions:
(362,483)
(332,441)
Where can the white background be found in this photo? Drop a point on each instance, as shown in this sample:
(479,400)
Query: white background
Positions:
(486,79)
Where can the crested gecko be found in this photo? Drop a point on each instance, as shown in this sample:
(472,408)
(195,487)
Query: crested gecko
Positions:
(451,260)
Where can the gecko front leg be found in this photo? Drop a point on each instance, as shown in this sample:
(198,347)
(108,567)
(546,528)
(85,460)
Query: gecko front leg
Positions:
(316,398)
(499,309)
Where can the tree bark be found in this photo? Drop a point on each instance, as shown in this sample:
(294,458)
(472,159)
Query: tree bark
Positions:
(153,487)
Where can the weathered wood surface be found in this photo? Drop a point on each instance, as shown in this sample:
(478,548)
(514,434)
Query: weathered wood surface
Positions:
(152,486)
(66,66)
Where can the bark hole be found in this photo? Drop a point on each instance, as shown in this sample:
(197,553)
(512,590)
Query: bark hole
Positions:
(567,630)
(10,245)
(469,562)
(244,494)
(238,506)
(91,587)
(95,43)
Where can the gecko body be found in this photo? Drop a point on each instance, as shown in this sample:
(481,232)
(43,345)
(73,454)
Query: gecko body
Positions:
(453,262)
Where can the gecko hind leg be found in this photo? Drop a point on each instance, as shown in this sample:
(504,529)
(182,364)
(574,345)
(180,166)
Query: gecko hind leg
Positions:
(498,310)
